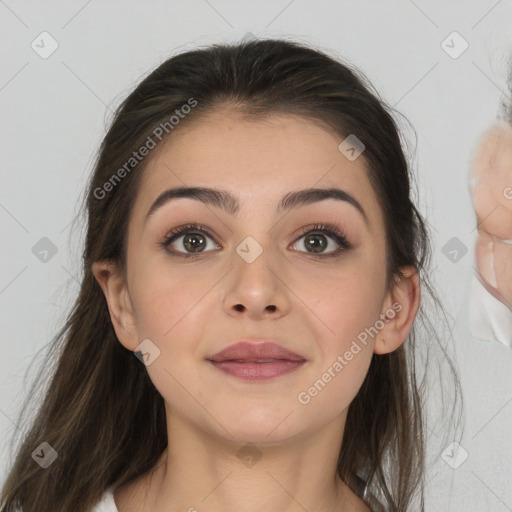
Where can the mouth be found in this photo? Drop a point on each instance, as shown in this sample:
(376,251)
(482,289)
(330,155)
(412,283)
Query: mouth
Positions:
(258,361)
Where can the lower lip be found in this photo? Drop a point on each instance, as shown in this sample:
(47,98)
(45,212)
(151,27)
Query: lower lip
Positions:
(257,371)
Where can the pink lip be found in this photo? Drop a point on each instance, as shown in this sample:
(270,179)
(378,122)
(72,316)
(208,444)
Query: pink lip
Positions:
(256,361)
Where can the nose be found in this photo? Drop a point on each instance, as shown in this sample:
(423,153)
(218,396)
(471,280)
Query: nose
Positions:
(255,289)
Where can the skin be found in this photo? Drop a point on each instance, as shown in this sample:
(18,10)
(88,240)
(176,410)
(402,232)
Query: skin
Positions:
(188,309)
(491,180)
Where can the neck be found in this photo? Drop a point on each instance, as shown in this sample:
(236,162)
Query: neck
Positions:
(200,471)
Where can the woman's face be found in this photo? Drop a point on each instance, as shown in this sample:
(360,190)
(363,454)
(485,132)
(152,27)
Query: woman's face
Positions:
(255,275)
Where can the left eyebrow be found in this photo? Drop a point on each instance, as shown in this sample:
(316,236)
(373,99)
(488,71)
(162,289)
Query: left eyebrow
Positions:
(230,204)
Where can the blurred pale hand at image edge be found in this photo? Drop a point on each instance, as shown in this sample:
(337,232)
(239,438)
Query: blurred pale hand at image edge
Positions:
(491,188)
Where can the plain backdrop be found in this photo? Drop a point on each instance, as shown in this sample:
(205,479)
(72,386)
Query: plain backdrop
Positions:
(54,108)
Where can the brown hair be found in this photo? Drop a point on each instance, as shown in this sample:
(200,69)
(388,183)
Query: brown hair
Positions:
(99,395)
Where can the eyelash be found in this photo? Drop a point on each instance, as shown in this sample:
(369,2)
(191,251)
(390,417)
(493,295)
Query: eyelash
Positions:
(325,229)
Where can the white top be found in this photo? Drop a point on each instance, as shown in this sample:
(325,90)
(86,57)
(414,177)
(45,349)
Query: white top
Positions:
(107,503)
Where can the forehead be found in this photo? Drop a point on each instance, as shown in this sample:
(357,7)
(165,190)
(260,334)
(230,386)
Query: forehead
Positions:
(257,161)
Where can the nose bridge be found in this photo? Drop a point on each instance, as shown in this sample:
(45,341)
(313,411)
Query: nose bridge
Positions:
(258,233)
(253,262)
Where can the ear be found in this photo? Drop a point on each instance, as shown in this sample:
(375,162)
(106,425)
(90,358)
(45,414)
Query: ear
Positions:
(122,315)
(400,307)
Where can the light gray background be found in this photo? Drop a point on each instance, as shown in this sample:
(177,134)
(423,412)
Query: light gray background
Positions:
(53,115)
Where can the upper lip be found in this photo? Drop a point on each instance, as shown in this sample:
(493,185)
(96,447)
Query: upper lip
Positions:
(247,351)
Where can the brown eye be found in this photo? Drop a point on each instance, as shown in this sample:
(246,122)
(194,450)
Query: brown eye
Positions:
(316,240)
(194,241)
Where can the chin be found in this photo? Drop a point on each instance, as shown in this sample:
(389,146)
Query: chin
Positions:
(259,424)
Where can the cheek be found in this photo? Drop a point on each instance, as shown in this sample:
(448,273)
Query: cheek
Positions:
(171,310)
(345,318)
(167,296)
(330,391)
(343,301)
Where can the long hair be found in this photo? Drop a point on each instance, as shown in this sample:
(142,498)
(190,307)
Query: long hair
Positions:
(100,411)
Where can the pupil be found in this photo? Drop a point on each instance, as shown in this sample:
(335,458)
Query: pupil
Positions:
(317,247)
(192,242)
